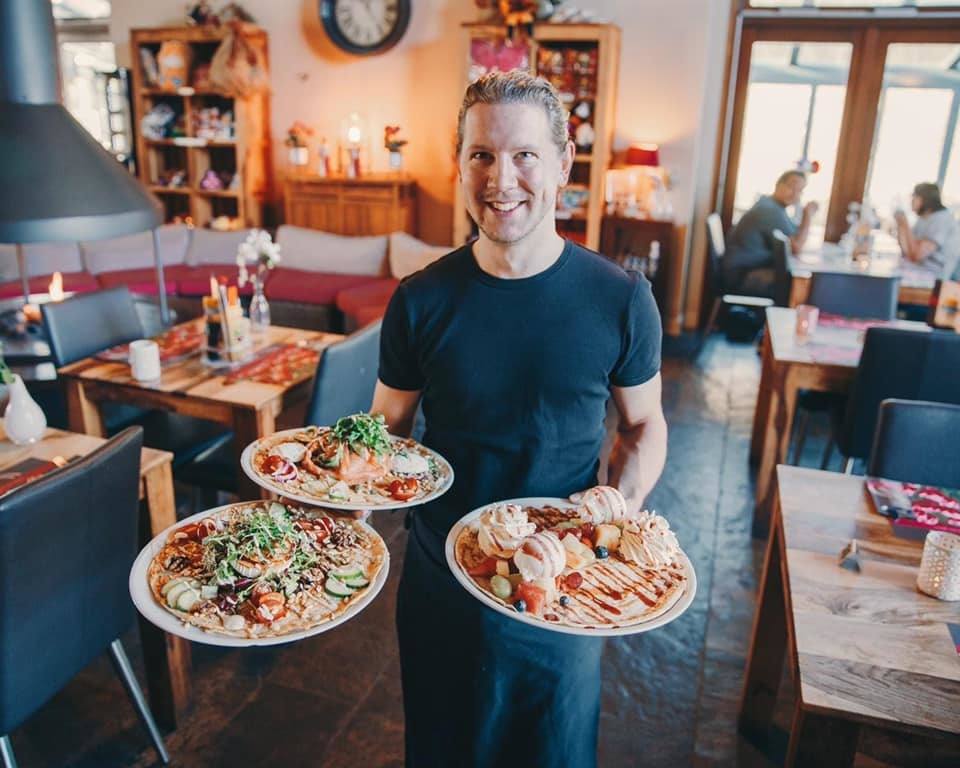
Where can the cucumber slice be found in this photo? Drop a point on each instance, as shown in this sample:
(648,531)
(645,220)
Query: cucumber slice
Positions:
(188,599)
(347,572)
(165,589)
(174,594)
(337,588)
(357,582)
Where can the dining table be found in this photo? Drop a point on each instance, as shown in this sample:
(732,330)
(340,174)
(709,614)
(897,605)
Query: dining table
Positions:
(884,259)
(866,650)
(826,361)
(247,396)
(166,657)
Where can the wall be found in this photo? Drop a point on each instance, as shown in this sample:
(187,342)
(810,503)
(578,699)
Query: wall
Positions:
(669,65)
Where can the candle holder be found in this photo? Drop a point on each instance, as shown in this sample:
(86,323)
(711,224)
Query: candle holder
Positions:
(939,574)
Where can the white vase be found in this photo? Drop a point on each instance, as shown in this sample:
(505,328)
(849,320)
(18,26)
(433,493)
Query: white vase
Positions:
(23,420)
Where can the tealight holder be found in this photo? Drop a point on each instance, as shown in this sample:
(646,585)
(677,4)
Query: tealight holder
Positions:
(939,574)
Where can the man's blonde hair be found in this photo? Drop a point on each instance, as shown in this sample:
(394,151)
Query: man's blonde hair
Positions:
(516,87)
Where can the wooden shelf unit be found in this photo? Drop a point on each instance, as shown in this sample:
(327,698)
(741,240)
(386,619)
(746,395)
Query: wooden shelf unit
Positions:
(374,204)
(589,167)
(248,154)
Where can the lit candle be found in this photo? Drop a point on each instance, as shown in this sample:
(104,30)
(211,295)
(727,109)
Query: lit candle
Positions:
(55,289)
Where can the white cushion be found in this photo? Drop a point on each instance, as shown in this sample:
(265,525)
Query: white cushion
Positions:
(316,251)
(40,259)
(208,246)
(409,255)
(136,251)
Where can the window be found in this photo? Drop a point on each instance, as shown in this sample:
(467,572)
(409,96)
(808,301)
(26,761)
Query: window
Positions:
(852,3)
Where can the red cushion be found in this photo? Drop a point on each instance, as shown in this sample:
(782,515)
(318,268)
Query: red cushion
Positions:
(73,282)
(139,280)
(366,315)
(195,281)
(377,292)
(309,287)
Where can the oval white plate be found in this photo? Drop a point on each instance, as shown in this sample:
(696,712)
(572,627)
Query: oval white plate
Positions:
(246,462)
(675,611)
(158,616)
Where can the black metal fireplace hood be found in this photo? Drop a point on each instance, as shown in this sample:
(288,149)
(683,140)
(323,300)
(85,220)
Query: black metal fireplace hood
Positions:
(56,181)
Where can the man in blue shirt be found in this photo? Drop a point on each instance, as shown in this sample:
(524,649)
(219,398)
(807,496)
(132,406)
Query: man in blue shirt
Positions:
(748,259)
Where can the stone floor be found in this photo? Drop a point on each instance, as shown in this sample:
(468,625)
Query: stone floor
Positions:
(670,697)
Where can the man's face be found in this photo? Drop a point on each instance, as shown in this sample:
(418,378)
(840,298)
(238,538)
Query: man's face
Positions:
(791,190)
(916,202)
(510,170)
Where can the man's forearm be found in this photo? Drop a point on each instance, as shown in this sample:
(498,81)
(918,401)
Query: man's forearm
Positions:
(637,460)
(799,238)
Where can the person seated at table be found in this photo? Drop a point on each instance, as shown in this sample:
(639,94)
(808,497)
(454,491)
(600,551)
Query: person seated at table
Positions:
(934,241)
(748,259)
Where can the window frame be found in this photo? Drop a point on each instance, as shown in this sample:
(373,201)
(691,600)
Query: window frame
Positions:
(870,33)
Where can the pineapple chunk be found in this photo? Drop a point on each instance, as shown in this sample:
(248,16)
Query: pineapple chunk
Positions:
(503,568)
(608,536)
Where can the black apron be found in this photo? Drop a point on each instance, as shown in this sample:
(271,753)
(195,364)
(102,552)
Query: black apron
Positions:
(481,690)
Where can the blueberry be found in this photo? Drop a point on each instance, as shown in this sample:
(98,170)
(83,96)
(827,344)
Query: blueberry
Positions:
(564,601)
(601,553)
(520,605)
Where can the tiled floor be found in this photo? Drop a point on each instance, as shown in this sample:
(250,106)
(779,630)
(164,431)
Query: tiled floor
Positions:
(670,697)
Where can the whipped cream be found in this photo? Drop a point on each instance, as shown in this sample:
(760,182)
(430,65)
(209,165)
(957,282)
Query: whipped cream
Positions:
(602,504)
(540,556)
(648,541)
(502,529)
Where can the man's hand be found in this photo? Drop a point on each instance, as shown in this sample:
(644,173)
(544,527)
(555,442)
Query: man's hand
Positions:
(810,209)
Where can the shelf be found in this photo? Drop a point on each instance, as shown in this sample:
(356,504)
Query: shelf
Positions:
(168,190)
(190,142)
(188,92)
(229,193)
(580,158)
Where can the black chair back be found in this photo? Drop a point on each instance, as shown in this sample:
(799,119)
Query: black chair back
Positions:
(898,363)
(346,377)
(853,295)
(89,323)
(916,442)
(782,249)
(67,542)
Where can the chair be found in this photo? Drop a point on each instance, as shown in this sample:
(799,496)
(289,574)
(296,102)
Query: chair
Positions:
(916,442)
(849,295)
(715,250)
(782,251)
(91,322)
(344,384)
(64,567)
(895,363)
(864,296)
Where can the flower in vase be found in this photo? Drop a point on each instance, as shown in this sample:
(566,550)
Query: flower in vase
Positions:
(257,251)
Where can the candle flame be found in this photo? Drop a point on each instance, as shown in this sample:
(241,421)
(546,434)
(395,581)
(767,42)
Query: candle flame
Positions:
(55,288)
(214,287)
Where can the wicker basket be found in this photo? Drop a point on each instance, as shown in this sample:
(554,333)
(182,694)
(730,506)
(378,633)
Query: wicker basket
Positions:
(940,567)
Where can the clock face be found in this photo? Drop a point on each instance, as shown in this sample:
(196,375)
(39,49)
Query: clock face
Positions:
(365,26)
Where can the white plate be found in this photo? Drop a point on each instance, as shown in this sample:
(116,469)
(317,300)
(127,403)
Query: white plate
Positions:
(246,462)
(162,618)
(675,611)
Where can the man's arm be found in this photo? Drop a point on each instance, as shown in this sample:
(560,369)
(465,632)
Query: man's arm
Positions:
(799,238)
(398,406)
(913,249)
(640,449)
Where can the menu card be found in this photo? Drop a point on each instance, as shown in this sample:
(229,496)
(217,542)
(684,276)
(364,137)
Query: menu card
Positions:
(915,505)
(24,472)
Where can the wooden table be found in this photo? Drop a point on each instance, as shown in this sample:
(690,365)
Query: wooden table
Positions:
(864,648)
(788,367)
(166,658)
(192,388)
(916,283)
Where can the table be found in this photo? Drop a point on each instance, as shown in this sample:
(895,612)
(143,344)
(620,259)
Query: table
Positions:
(166,658)
(192,388)
(827,363)
(864,648)
(916,282)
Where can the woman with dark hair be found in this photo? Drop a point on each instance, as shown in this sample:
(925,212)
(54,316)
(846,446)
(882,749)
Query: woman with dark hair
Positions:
(934,240)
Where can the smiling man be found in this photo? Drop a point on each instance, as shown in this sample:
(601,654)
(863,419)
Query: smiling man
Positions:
(514,345)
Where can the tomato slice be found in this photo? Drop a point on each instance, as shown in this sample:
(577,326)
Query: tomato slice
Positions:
(403,490)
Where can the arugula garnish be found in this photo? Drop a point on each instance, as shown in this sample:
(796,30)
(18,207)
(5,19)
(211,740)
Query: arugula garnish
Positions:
(363,430)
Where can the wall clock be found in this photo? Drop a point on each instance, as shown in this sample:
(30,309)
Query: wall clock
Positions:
(365,27)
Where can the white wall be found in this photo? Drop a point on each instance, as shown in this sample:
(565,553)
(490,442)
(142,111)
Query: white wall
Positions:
(671,71)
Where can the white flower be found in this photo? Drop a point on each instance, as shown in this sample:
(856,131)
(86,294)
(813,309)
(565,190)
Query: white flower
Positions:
(258,249)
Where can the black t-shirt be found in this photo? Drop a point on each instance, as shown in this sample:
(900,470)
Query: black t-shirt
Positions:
(516,374)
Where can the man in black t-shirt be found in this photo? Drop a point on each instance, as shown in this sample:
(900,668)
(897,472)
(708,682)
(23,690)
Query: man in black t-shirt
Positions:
(514,346)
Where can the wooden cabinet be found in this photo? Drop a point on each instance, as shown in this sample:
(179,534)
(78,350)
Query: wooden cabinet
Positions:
(582,61)
(371,205)
(213,132)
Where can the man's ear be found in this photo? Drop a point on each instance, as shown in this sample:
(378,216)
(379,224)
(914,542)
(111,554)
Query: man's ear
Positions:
(566,162)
